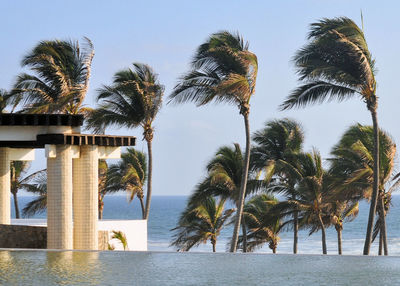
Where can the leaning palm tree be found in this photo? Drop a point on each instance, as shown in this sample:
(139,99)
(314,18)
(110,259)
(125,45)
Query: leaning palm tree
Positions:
(129,174)
(262,222)
(199,224)
(336,64)
(61,77)
(133,100)
(223,70)
(274,153)
(352,165)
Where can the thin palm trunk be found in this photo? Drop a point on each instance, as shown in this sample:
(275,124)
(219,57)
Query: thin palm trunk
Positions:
(244,234)
(149,176)
(142,206)
(274,249)
(339,239)
(17,214)
(214,243)
(383,225)
(101,207)
(324,251)
(372,209)
(243,184)
(295,231)
(380,243)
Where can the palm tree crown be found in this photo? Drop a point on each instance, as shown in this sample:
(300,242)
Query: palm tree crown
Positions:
(62,71)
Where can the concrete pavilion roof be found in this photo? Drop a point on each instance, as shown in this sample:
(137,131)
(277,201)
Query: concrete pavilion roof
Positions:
(37,130)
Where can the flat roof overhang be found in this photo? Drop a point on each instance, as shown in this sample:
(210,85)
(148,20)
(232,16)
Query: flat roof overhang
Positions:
(25,119)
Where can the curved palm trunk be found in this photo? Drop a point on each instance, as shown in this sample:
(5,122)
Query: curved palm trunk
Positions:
(324,251)
(382,218)
(372,209)
(142,206)
(17,214)
(243,184)
(149,178)
(244,234)
(274,249)
(295,231)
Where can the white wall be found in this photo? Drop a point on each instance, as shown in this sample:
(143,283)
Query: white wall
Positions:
(134,230)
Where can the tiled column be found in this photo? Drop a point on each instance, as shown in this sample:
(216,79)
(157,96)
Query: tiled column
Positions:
(59,199)
(5,186)
(85,197)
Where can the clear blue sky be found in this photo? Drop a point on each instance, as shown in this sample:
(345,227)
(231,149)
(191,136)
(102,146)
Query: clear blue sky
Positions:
(165,34)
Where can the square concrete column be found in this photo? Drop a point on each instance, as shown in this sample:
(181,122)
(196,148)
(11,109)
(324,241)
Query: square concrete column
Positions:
(59,198)
(85,198)
(5,209)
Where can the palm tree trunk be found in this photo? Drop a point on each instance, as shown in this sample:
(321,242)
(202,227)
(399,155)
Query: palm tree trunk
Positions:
(372,209)
(383,224)
(243,184)
(214,243)
(339,240)
(380,243)
(244,234)
(295,231)
(142,206)
(101,206)
(274,249)
(324,251)
(149,179)
(17,214)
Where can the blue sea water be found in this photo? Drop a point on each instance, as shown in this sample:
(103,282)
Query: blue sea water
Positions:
(165,211)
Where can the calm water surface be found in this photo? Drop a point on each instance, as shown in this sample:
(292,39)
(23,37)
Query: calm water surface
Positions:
(158,268)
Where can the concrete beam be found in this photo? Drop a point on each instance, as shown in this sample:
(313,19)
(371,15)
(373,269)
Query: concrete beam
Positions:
(22,154)
(50,151)
(109,152)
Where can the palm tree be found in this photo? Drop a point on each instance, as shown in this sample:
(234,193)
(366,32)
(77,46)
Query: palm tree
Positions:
(339,212)
(133,100)
(129,174)
(224,175)
(223,70)
(200,224)
(121,237)
(4,100)
(262,222)
(18,170)
(61,82)
(336,64)
(311,199)
(37,186)
(275,150)
(352,166)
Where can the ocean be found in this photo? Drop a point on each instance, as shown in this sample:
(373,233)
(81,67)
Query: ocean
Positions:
(165,211)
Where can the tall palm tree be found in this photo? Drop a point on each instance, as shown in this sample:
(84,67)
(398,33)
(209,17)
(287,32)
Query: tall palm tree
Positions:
(353,162)
(262,222)
(336,64)
(133,100)
(129,174)
(275,150)
(200,224)
(223,70)
(61,77)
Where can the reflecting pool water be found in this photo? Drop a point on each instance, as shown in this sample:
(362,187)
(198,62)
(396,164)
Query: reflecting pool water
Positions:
(163,268)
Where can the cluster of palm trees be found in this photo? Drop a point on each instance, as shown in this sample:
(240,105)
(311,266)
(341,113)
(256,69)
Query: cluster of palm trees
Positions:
(311,197)
(335,64)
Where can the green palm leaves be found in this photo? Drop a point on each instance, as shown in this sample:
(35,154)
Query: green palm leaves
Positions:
(61,77)
(201,223)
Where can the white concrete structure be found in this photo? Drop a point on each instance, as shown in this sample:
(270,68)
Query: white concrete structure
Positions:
(72,172)
(134,230)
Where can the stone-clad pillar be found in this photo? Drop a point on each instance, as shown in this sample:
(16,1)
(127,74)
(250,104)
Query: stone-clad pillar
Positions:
(59,199)
(85,198)
(5,210)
